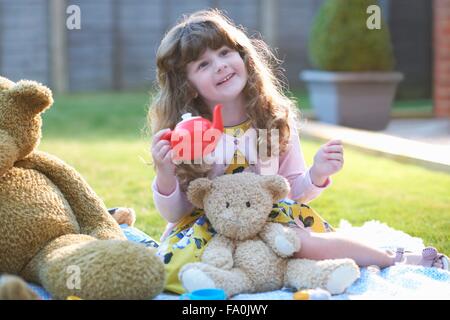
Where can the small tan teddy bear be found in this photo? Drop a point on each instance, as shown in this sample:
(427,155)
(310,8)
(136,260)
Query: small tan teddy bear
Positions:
(55,231)
(249,254)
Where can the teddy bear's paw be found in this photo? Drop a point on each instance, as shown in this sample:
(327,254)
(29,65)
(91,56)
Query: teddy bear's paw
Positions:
(14,288)
(284,246)
(342,278)
(194,279)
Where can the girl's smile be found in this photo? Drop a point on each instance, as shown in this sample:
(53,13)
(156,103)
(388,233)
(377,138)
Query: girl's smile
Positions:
(228,77)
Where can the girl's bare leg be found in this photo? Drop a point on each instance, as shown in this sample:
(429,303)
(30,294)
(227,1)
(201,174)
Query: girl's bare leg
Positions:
(331,245)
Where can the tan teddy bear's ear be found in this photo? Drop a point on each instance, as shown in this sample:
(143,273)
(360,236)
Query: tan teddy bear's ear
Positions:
(277,185)
(5,83)
(31,95)
(8,152)
(197,190)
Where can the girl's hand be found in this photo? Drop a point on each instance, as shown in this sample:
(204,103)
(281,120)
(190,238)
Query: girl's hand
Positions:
(162,155)
(328,160)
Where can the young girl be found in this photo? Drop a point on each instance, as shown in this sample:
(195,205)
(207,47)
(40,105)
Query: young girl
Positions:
(205,60)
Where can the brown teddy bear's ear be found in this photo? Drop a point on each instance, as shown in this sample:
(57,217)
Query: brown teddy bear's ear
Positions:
(8,152)
(277,185)
(197,190)
(31,95)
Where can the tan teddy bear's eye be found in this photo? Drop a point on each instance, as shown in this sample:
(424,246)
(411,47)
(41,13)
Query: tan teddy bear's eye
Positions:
(227,204)
(247,204)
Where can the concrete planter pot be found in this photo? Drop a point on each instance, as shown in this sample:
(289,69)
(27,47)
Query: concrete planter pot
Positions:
(353,99)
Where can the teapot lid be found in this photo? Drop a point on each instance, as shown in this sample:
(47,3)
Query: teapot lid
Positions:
(187,116)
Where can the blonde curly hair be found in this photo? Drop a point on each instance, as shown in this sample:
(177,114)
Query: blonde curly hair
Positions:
(267,106)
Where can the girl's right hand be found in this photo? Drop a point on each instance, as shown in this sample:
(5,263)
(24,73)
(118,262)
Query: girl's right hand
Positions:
(162,155)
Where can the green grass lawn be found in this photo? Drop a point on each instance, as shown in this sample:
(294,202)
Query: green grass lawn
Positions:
(101,136)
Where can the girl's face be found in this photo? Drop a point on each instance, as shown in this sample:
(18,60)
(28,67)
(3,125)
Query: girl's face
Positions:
(219,76)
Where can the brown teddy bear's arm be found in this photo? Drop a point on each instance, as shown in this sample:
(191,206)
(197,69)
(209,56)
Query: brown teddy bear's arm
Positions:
(219,252)
(284,241)
(88,208)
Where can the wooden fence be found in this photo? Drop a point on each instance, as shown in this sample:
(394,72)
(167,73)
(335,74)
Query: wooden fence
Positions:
(116,45)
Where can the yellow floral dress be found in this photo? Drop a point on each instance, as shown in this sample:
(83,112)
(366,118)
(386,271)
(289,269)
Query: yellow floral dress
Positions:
(189,237)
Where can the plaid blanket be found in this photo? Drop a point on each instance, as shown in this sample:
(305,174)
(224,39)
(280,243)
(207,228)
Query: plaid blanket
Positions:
(396,282)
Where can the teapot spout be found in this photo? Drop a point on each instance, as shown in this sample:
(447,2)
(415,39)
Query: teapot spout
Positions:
(217,118)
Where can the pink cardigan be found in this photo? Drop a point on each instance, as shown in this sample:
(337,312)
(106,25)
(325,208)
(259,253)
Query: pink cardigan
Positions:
(291,165)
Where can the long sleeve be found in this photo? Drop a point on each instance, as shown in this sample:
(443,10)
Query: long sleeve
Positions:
(292,166)
(171,207)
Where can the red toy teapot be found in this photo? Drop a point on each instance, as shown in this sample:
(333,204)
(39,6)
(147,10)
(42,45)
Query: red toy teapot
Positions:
(194,137)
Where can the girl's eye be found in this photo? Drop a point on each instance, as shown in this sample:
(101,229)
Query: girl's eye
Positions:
(224,52)
(227,204)
(203,64)
(247,204)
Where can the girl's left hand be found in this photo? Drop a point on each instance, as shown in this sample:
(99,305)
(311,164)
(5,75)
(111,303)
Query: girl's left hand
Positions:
(328,160)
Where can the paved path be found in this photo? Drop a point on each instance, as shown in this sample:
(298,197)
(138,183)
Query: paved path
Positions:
(434,131)
(423,142)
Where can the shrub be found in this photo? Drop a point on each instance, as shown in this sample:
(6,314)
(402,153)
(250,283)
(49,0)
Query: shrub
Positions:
(341,41)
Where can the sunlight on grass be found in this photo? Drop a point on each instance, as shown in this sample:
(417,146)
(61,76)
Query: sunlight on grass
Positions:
(406,197)
(100,134)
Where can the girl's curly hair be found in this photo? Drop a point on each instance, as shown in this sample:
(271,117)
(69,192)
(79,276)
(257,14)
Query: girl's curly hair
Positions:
(267,106)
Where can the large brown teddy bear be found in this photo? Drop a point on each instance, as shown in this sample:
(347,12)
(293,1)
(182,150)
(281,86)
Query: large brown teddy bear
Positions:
(54,230)
(249,254)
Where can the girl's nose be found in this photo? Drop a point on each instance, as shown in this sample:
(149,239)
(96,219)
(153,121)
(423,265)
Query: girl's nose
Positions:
(221,66)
